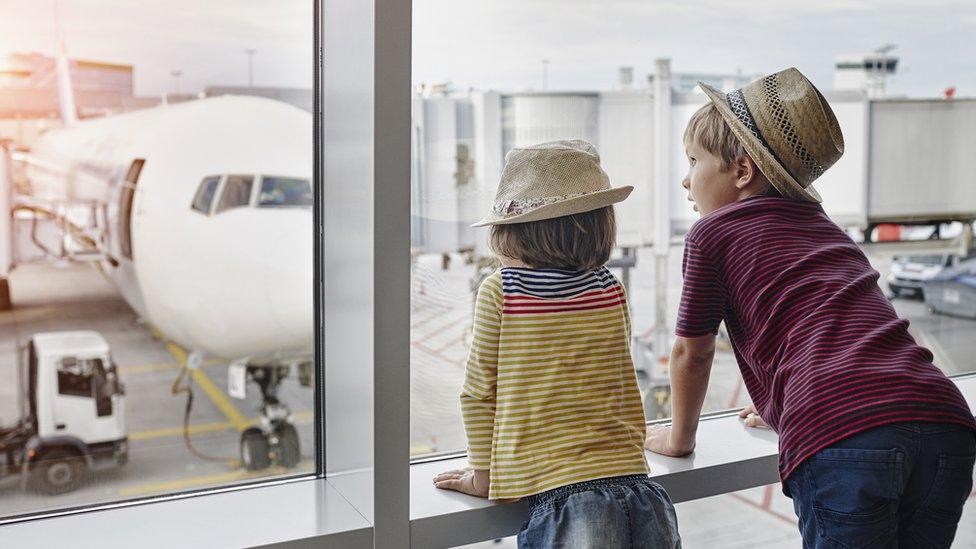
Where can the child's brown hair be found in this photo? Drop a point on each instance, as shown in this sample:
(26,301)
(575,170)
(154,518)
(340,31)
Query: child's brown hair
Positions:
(578,242)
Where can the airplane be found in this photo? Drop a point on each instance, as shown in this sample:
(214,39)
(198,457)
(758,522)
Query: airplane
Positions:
(207,231)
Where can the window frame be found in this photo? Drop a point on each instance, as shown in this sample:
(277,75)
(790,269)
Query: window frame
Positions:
(318,474)
(379,158)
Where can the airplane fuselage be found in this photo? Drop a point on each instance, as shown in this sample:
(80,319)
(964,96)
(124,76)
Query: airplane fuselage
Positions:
(229,281)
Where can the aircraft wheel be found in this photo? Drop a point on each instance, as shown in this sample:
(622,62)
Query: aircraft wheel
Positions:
(255,450)
(289,447)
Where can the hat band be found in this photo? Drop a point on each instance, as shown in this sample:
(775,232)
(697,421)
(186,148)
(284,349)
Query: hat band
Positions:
(738,105)
(523,205)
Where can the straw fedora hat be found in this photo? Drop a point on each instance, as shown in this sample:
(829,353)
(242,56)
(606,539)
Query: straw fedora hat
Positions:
(550,180)
(786,126)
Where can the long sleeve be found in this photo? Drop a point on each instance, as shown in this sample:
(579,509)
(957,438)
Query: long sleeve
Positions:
(480,375)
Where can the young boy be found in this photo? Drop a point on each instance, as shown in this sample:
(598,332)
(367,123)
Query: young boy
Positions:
(876,444)
(550,399)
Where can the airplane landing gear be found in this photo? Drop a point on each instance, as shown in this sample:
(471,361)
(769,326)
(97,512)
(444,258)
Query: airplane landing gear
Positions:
(276,439)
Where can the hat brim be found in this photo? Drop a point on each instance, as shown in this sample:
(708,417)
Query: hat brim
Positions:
(570,206)
(777,174)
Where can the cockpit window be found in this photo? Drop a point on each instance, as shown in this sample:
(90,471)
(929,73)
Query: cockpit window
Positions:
(205,194)
(285,191)
(236,193)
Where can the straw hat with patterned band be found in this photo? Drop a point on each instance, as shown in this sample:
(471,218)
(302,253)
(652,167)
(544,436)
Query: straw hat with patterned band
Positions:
(550,180)
(786,126)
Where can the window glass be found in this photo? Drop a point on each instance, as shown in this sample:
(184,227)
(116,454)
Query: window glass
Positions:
(284,191)
(75,376)
(491,76)
(205,194)
(177,109)
(236,192)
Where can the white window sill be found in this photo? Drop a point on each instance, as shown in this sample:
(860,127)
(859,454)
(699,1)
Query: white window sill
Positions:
(309,511)
(337,512)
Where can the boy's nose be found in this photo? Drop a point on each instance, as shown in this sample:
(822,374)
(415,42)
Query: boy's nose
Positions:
(686,183)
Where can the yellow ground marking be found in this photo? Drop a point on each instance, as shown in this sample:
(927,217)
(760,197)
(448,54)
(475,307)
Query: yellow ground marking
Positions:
(297,418)
(219,399)
(162,367)
(145,368)
(178,431)
(219,478)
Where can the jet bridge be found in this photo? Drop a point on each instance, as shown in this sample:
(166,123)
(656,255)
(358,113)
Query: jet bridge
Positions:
(36,230)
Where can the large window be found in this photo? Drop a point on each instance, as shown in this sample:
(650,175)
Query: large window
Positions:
(236,192)
(284,191)
(490,76)
(205,194)
(149,349)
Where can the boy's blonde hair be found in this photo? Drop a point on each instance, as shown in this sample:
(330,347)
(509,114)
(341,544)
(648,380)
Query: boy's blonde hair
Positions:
(709,131)
(579,242)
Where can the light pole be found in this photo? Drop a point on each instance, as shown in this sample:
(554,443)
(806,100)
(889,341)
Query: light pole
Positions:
(250,68)
(176,74)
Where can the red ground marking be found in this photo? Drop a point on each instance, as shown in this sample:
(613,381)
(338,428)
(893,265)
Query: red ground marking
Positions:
(454,343)
(791,520)
(441,329)
(434,353)
(424,321)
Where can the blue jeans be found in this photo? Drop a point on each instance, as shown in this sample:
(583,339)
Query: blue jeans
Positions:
(900,485)
(627,511)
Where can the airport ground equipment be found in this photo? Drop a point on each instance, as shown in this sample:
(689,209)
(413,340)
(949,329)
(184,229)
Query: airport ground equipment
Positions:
(72,413)
(953,292)
(910,273)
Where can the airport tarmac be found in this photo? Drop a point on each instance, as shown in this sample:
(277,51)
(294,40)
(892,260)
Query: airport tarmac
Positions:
(72,297)
(77,297)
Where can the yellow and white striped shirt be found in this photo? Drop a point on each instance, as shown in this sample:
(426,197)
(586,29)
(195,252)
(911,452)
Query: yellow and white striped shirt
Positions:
(550,395)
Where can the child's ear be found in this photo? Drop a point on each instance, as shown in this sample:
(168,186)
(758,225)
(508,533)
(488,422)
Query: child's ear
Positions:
(745,172)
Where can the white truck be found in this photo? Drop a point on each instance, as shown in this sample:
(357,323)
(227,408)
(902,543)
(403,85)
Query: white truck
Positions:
(72,413)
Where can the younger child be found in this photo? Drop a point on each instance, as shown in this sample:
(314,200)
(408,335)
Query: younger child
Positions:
(876,445)
(550,399)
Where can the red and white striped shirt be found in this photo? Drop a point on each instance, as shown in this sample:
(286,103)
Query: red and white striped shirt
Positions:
(822,352)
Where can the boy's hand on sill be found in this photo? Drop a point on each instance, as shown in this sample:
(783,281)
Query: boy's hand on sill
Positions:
(752,418)
(473,482)
(661,440)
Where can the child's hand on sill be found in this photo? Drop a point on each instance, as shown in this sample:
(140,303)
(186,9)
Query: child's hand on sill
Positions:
(473,482)
(752,418)
(660,440)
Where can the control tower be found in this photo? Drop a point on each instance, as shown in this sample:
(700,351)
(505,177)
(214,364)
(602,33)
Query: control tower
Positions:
(868,73)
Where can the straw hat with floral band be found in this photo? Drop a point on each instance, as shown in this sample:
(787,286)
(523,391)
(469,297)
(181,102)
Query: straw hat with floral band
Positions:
(549,180)
(786,126)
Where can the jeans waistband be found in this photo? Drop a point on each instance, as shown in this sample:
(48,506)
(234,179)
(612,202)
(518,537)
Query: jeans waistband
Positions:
(549,496)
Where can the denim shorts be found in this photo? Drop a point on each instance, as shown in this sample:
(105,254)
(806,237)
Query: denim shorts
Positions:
(615,512)
(900,485)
